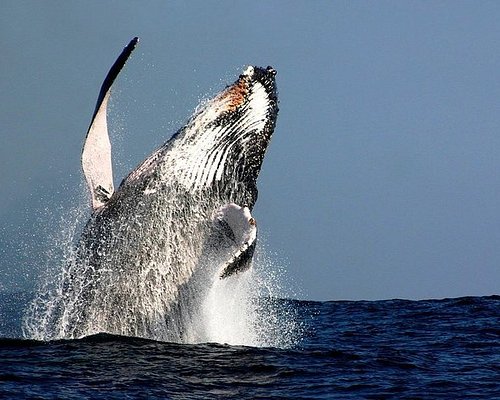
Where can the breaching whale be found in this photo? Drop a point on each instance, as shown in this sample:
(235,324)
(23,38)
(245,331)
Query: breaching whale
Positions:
(184,214)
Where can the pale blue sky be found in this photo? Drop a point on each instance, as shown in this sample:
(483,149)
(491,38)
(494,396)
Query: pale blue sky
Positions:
(382,177)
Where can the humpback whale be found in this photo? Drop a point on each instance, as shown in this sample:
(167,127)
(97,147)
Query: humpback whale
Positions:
(179,218)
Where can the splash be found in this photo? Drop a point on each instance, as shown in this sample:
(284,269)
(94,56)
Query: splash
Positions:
(240,310)
(39,320)
(247,310)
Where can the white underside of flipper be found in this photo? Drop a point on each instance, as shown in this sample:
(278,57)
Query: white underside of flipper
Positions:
(96,154)
(96,158)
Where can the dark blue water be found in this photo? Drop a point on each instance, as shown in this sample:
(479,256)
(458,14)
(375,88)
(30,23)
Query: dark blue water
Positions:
(436,349)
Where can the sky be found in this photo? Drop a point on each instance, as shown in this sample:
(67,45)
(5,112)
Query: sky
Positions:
(381,180)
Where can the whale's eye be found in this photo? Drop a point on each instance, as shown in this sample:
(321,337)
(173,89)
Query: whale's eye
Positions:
(252,221)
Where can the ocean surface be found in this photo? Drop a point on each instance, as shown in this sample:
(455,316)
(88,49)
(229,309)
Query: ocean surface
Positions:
(394,349)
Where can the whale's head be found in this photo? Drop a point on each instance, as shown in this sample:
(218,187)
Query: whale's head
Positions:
(224,143)
(220,149)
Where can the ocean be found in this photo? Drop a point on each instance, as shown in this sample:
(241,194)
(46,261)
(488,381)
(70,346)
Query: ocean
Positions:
(393,349)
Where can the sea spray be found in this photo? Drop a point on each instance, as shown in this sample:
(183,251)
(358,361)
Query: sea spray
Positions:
(59,250)
(240,310)
(248,308)
(227,312)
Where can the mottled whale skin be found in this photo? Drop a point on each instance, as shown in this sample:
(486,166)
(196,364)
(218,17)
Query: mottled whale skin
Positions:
(182,213)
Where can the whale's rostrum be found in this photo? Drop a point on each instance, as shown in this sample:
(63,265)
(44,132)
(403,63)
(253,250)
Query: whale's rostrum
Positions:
(179,219)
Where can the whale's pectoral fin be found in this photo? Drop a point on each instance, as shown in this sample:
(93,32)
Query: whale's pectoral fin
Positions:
(241,261)
(237,231)
(96,155)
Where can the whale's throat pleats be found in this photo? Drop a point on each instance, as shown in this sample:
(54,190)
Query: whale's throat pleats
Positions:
(222,146)
(227,142)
